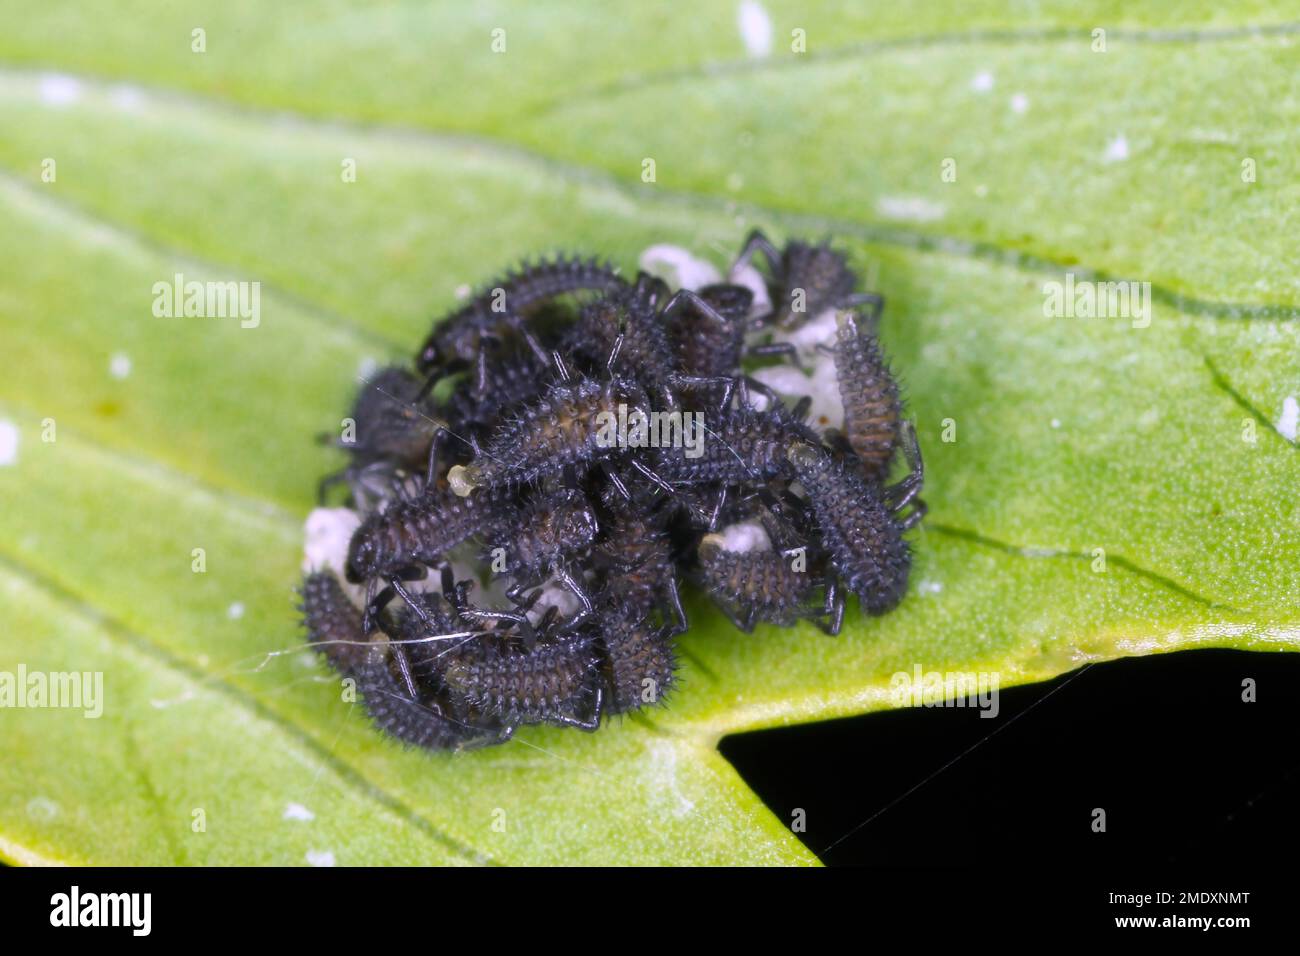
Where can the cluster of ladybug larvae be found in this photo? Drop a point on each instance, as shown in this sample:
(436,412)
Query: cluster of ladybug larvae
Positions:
(569,447)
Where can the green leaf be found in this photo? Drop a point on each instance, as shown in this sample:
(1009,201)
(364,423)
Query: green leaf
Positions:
(1072,435)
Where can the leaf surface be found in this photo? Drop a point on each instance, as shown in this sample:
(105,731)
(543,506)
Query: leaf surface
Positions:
(1075,439)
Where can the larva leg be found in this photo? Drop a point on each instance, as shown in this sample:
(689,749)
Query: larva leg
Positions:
(755,242)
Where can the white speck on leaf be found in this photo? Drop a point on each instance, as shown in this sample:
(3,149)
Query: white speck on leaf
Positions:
(42,809)
(119,366)
(184,697)
(235,611)
(1019,103)
(1211,136)
(8,443)
(59,89)
(982,82)
(755,28)
(296,811)
(1116,150)
(1286,425)
(320,857)
(911,208)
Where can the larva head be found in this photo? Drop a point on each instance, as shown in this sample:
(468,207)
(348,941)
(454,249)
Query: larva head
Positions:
(648,290)
(453,345)
(389,420)
(574,523)
(364,551)
(732,301)
(431,355)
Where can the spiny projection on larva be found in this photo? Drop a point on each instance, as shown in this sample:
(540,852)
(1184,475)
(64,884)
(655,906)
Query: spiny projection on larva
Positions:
(568,449)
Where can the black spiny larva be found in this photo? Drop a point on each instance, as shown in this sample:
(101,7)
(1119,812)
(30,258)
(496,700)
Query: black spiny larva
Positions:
(636,328)
(421,718)
(641,668)
(742,445)
(549,530)
(497,384)
(562,430)
(503,306)
(858,522)
(872,409)
(555,682)
(419,531)
(398,543)
(764,586)
(626,327)
(635,564)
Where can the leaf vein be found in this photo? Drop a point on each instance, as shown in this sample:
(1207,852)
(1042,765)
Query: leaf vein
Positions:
(1221,382)
(714,69)
(1127,564)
